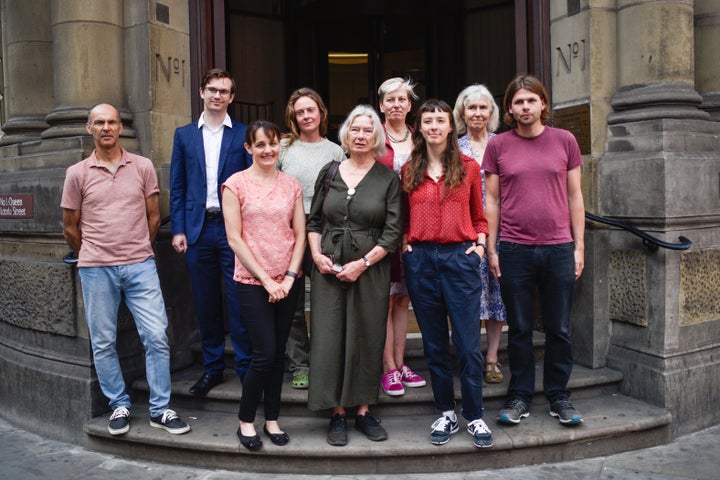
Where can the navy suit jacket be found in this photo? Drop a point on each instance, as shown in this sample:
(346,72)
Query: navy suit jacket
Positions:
(188,180)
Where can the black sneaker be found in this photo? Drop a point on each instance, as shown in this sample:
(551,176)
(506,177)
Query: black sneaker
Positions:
(170,422)
(337,433)
(119,421)
(513,411)
(370,426)
(442,428)
(564,411)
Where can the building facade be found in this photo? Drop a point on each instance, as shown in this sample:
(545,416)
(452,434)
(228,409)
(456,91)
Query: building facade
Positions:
(637,81)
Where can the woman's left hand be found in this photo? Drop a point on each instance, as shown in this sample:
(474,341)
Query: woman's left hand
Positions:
(351,271)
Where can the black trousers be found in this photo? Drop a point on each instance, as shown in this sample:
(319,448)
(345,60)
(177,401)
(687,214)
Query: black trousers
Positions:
(269,326)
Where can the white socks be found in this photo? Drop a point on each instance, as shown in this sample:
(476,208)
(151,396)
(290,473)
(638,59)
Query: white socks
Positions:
(451,415)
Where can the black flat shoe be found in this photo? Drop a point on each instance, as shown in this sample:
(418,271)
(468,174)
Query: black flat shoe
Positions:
(279,439)
(205,384)
(251,443)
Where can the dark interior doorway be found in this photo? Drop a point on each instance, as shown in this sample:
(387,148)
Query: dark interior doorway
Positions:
(345,49)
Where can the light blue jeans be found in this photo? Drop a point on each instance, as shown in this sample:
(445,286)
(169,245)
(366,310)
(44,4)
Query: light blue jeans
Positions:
(138,284)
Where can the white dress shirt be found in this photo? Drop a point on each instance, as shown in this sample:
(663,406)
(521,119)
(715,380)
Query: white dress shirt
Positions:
(212,140)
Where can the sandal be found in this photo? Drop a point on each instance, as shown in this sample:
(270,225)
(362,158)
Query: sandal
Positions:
(301,381)
(493,373)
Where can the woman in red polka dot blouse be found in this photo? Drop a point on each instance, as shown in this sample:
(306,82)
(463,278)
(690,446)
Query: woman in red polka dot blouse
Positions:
(443,242)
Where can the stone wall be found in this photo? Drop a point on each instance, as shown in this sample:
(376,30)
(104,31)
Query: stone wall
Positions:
(136,56)
(653,163)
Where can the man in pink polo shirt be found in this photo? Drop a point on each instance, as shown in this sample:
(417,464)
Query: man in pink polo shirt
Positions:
(111,215)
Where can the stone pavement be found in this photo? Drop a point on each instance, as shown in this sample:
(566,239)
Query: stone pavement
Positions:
(26,456)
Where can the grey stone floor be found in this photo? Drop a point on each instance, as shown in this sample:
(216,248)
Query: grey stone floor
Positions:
(26,456)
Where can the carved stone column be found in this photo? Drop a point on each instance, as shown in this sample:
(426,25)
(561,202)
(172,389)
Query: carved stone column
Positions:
(707,67)
(27,68)
(88,59)
(660,173)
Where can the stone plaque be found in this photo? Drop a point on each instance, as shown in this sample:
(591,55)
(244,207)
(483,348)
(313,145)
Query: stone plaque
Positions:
(16,205)
(576,119)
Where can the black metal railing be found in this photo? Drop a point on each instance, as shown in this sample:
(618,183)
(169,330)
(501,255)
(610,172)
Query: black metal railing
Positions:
(650,242)
(248,112)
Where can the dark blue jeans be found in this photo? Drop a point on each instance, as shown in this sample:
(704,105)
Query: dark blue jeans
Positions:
(211,261)
(442,281)
(550,271)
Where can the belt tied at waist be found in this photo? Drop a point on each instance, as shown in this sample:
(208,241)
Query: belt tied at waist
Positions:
(344,240)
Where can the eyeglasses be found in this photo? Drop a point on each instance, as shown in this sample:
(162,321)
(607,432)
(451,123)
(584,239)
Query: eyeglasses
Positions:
(215,91)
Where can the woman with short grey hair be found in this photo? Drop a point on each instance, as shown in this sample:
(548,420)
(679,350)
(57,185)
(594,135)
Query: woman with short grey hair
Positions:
(354,223)
(396,95)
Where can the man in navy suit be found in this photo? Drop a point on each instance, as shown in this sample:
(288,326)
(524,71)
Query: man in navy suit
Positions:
(205,154)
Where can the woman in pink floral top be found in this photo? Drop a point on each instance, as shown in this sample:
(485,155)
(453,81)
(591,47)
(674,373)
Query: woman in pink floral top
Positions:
(265,223)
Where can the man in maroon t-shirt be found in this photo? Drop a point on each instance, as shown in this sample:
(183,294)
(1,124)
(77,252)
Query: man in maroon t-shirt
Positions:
(532,177)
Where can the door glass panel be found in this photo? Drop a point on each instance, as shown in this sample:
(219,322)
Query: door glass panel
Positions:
(348,80)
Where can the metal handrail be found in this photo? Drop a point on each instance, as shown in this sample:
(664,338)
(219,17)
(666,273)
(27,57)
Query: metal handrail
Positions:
(650,242)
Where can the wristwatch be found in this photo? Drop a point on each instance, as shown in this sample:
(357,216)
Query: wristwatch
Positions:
(367,262)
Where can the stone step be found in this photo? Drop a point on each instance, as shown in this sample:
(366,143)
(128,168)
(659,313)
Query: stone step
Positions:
(584,383)
(413,349)
(613,423)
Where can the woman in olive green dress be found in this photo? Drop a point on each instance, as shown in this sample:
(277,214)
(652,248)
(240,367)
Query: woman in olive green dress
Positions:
(354,223)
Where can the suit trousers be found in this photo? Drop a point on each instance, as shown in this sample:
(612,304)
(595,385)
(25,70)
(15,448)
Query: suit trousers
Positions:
(211,263)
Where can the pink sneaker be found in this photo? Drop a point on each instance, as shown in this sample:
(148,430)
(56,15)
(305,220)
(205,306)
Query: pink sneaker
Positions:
(410,378)
(392,384)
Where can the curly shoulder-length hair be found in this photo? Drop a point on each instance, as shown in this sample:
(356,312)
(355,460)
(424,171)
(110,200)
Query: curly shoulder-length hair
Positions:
(417,165)
(528,82)
(290,119)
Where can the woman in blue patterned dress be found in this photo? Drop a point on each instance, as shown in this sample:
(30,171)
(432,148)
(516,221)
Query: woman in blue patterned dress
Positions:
(477,117)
